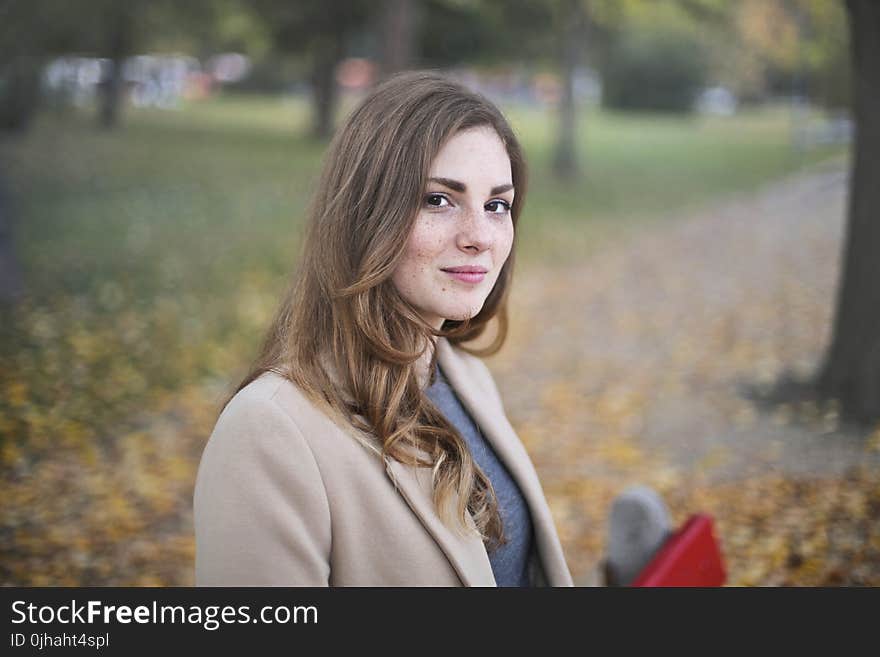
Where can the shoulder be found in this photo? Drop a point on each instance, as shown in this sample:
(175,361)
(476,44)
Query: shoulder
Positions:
(273,406)
(260,508)
(261,418)
(269,395)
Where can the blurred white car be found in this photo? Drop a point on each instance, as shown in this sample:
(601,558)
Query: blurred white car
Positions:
(716,100)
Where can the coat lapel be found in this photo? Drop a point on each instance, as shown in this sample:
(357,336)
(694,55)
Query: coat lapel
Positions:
(500,434)
(467,554)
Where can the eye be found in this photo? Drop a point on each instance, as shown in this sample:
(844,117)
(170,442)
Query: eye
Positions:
(436,200)
(501,207)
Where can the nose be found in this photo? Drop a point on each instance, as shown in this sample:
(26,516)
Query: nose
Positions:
(474,232)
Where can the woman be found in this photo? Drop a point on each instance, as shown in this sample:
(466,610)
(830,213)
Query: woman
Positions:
(368,445)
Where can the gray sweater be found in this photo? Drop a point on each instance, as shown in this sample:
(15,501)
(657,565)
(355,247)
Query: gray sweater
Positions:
(509,561)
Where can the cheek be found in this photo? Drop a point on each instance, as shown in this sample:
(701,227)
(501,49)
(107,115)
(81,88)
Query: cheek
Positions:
(504,242)
(420,254)
(425,243)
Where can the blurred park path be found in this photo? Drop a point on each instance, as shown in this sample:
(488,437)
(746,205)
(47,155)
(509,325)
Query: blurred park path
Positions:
(631,367)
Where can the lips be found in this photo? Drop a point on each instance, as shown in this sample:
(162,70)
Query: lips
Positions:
(467,273)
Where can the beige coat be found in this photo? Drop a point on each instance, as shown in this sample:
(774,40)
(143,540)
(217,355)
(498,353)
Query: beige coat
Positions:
(285,497)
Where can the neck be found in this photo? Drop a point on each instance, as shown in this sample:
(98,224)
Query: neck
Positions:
(423,364)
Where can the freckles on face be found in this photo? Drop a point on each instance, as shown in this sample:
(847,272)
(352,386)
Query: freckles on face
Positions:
(417,270)
(469,226)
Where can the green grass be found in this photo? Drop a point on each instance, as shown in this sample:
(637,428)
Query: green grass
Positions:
(171,196)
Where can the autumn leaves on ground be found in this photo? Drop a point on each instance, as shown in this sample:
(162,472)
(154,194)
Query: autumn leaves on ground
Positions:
(641,361)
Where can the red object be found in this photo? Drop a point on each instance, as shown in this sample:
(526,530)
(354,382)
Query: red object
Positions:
(690,557)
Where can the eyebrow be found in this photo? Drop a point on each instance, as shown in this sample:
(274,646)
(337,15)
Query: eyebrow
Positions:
(461,187)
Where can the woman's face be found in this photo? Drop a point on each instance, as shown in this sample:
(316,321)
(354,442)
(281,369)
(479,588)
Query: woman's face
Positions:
(463,232)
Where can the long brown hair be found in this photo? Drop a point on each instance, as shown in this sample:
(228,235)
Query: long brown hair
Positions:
(343,334)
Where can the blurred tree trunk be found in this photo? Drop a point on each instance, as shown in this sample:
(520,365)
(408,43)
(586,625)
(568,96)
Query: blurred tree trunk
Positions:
(11,285)
(565,159)
(327,54)
(398,30)
(120,46)
(20,94)
(851,372)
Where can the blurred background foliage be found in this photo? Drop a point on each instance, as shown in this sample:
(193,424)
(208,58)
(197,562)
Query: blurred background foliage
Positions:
(156,160)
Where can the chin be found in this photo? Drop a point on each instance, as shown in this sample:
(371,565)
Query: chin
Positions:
(460,314)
